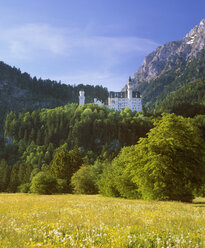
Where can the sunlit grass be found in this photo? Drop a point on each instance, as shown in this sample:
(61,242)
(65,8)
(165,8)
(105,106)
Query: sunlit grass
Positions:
(94,221)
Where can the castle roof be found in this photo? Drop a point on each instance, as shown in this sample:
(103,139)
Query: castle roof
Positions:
(123,94)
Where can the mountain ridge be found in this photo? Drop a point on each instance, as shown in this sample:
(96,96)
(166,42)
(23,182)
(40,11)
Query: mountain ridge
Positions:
(174,52)
(170,67)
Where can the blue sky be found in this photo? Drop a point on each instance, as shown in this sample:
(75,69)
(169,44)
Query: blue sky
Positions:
(90,41)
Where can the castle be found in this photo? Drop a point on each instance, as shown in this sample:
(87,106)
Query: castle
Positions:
(129,98)
(119,100)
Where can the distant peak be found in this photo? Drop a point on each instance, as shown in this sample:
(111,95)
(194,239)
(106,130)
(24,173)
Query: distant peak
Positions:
(197,29)
(165,57)
(202,22)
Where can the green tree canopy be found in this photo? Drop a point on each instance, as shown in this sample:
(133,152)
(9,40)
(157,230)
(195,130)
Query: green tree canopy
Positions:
(43,183)
(116,179)
(65,163)
(170,163)
(83,181)
(4,175)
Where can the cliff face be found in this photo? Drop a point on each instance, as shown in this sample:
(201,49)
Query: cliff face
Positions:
(165,57)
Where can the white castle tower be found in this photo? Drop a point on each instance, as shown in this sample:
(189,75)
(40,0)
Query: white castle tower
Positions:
(129,90)
(81,97)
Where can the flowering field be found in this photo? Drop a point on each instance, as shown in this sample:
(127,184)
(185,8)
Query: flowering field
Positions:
(95,221)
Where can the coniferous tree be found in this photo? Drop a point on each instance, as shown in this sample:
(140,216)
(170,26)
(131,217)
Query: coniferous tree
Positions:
(4,175)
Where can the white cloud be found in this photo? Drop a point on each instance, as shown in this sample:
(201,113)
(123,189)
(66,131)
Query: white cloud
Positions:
(24,41)
(89,57)
(30,39)
(114,50)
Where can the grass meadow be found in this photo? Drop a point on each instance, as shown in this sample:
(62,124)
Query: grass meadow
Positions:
(95,221)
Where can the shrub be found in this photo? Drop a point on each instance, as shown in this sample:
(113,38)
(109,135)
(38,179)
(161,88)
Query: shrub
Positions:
(83,182)
(44,183)
(24,188)
(65,163)
(116,180)
(62,186)
(106,183)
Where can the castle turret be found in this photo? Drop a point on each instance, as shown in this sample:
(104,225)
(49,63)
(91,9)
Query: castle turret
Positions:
(81,97)
(129,90)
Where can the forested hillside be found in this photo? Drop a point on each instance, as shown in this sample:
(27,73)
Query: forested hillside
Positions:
(19,91)
(37,139)
(187,101)
(89,126)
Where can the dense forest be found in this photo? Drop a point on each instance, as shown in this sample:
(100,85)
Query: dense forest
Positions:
(19,91)
(92,149)
(89,126)
(33,138)
(188,101)
(48,89)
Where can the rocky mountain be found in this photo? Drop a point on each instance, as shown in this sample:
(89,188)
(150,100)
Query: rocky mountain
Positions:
(168,55)
(171,66)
